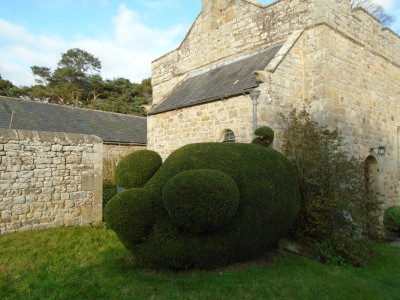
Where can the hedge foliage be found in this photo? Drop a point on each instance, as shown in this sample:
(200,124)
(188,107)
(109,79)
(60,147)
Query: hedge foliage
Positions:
(391,219)
(201,200)
(135,169)
(265,136)
(268,205)
(339,213)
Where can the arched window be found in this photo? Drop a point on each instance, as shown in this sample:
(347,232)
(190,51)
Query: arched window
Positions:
(229,136)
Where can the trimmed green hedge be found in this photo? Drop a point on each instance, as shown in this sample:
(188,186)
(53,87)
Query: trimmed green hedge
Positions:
(201,200)
(268,205)
(265,136)
(135,169)
(391,219)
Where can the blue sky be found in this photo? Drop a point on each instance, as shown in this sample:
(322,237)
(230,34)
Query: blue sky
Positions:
(126,35)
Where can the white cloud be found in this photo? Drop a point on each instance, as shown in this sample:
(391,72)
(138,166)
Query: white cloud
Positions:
(128,52)
(20,49)
(386,4)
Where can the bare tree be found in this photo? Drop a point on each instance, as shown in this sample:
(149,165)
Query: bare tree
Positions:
(375,9)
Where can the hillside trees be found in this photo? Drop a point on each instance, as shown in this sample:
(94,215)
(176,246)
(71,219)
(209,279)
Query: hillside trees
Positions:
(69,84)
(77,82)
(5,87)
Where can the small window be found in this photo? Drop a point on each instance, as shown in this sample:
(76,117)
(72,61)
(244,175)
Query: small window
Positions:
(229,136)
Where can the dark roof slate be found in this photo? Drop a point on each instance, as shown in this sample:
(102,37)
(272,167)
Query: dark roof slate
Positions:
(37,116)
(218,83)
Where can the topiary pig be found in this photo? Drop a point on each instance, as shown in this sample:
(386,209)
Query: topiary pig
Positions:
(208,205)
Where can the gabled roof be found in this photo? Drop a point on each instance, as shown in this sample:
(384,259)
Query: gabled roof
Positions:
(219,82)
(38,116)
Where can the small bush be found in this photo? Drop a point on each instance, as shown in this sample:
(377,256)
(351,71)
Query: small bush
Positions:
(135,169)
(265,136)
(391,219)
(201,200)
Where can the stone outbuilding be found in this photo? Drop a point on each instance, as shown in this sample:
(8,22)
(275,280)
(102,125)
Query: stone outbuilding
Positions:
(52,162)
(243,63)
(121,134)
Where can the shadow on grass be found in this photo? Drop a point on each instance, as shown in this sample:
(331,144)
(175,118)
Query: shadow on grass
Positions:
(87,263)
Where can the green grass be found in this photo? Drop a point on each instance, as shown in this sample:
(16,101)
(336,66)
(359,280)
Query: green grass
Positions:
(88,263)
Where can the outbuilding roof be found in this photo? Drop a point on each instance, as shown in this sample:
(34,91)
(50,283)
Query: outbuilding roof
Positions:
(39,116)
(219,82)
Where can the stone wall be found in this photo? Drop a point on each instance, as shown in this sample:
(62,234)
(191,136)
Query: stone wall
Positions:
(114,152)
(49,179)
(228,28)
(202,123)
(343,85)
(364,102)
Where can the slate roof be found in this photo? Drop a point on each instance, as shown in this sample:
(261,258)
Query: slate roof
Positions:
(218,83)
(38,116)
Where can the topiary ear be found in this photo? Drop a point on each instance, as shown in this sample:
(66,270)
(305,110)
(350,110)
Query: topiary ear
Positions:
(135,169)
(265,136)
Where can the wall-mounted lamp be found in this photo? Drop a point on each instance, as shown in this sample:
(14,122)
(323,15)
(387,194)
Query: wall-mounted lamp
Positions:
(381,150)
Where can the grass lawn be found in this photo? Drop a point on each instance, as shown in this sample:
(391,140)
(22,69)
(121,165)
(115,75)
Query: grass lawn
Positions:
(89,263)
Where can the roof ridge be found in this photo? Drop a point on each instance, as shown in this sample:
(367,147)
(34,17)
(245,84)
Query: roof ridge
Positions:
(68,107)
(232,60)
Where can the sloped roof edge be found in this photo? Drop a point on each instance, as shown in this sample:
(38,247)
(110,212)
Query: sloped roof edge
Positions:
(38,116)
(219,81)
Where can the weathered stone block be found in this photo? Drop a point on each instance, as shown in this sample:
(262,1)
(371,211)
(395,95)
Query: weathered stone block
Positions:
(19,199)
(56,148)
(43,161)
(42,172)
(47,190)
(11,147)
(73,159)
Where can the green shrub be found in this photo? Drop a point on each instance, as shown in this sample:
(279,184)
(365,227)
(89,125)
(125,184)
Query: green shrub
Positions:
(129,215)
(391,219)
(135,169)
(109,191)
(265,136)
(268,205)
(201,200)
(339,213)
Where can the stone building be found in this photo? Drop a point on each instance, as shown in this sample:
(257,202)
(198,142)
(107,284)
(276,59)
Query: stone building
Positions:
(51,162)
(321,54)
(121,134)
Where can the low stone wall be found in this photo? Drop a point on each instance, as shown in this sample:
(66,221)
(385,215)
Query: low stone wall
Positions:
(49,179)
(114,152)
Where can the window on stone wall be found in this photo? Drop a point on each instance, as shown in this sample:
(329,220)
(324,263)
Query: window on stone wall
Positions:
(229,136)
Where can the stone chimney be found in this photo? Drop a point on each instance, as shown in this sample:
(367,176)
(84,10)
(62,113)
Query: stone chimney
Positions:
(218,12)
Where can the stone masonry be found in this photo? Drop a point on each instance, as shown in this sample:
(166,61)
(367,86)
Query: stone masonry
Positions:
(49,179)
(114,152)
(336,61)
